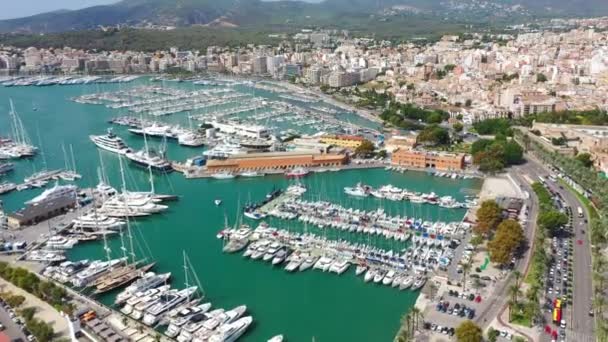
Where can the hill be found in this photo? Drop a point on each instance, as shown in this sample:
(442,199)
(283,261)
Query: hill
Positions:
(349,14)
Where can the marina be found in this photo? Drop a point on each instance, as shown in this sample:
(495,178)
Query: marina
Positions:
(191,223)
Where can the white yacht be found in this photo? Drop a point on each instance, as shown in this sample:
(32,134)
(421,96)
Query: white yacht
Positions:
(60,242)
(150,280)
(95,222)
(232,331)
(183,317)
(110,142)
(339,266)
(190,139)
(195,323)
(55,192)
(388,278)
(143,296)
(323,263)
(357,191)
(150,159)
(277,338)
(95,270)
(223,175)
(166,302)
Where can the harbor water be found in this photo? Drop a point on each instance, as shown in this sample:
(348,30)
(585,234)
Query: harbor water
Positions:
(302,306)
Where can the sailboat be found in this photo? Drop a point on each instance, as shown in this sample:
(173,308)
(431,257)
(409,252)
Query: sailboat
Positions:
(70,173)
(150,159)
(128,273)
(19,146)
(152,194)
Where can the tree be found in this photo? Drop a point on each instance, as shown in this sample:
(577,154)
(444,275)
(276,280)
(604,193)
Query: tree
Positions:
(458,127)
(493,334)
(552,220)
(382,154)
(509,236)
(541,78)
(468,103)
(365,149)
(468,331)
(513,153)
(489,216)
(585,159)
(434,135)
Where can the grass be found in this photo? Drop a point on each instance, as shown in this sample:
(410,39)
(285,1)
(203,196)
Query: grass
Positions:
(521,319)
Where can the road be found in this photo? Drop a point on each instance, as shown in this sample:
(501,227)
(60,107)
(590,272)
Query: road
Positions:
(500,297)
(579,325)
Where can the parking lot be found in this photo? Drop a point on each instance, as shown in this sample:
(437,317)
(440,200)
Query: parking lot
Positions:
(13,325)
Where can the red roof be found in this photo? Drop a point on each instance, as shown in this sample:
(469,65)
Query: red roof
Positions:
(4,337)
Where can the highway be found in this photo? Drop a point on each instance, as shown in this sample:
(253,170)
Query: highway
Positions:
(580,325)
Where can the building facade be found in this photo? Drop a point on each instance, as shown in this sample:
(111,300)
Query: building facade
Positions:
(346,141)
(428,160)
(276,160)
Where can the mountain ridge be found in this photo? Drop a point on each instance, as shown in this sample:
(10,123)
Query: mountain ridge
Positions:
(257,13)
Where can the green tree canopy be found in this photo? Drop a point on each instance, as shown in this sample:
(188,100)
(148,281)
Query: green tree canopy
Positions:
(365,149)
(468,331)
(585,159)
(458,127)
(552,220)
(434,135)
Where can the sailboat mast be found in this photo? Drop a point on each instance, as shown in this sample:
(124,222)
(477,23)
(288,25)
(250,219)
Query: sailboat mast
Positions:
(152,191)
(122,240)
(65,157)
(130,236)
(103,176)
(185,270)
(122,177)
(73,160)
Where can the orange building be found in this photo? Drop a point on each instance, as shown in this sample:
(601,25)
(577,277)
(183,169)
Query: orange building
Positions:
(276,160)
(425,159)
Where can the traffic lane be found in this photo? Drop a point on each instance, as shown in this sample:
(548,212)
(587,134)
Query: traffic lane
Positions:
(12,329)
(582,326)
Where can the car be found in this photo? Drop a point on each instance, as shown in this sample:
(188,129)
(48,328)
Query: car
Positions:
(503,334)
(509,337)
(433,326)
(2,327)
(563,324)
(31,338)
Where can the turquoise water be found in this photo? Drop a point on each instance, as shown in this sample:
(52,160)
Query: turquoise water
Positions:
(301,305)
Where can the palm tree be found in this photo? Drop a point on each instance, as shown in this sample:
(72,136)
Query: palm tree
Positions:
(517,276)
(514,292)
(416,316)
(511,304)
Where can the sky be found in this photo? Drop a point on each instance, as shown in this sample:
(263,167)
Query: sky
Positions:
(23,8)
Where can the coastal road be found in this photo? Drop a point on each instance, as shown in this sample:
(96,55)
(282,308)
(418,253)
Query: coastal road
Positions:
(580,326)
(497,303)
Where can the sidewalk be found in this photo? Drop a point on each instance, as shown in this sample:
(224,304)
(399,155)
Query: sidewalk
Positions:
(44,311)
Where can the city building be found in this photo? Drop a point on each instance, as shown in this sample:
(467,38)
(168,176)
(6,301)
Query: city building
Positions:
(428,160)
(41,211)
(346,141)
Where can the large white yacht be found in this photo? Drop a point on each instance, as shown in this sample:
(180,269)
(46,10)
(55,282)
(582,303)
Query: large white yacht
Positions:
(110,142)
(55,192)
(95,222)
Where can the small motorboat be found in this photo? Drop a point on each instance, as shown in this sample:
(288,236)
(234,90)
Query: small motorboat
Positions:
(218,202)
